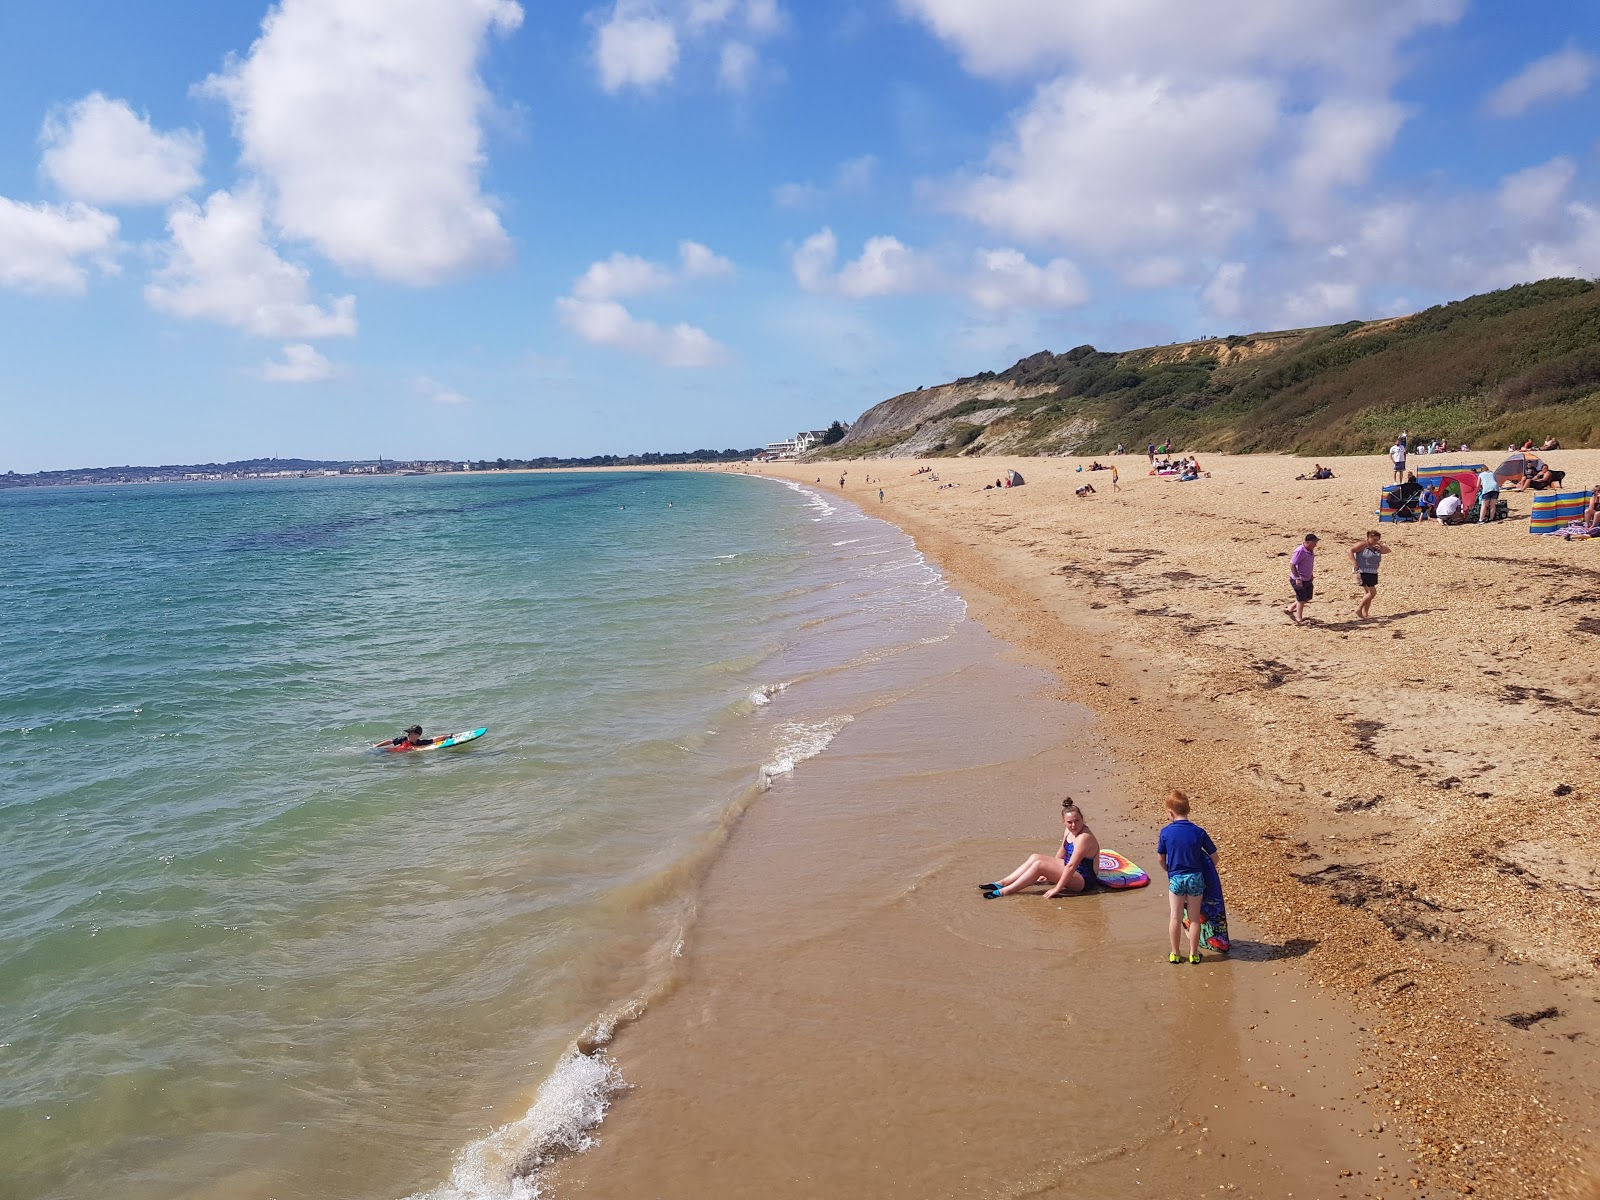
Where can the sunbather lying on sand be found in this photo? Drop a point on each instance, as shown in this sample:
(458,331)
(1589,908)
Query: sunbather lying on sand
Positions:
(1071,870)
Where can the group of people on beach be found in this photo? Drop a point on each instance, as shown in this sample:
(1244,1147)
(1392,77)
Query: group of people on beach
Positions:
(1185,849)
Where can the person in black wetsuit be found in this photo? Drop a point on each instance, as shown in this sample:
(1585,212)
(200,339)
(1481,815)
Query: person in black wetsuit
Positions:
(1072,869)
(412,737)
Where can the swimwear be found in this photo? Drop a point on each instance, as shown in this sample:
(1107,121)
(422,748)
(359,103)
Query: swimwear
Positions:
(1369,579)
(1086,866)
(1187,883)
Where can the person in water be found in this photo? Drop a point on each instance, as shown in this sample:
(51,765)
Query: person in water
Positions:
(1071,870)
(412,737)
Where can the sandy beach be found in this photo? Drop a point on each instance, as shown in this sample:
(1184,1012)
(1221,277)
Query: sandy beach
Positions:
(1405,807)
(1403,804)
(1411,795)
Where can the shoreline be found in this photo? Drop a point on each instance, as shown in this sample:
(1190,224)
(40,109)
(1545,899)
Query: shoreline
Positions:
(1454,931)
(748,1076)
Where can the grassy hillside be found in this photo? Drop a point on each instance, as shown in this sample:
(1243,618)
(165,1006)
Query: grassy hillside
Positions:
(1492,369)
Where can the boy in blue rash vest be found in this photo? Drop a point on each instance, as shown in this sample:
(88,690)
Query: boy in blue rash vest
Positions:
(1183,847)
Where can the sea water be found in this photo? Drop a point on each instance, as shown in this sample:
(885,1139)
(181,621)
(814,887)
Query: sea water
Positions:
(241,954)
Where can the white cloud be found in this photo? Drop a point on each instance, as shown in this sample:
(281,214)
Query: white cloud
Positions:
(438,393)
(701,262)
(852,177)
(363,122)
(43,246)
(219,267)
(101,151)
(621,275)
(813,261)
(1130,166)
(1005,279)
(641,43)
(301,363)
(1158,271)
(635,52)
(1341,142)
(594,313)
(607,323)
(736,67)
(1559,76)
(1224,295)
(1322,303)
(1533,195)
(1113,37)
(796,195)
(999,280)
(886,268)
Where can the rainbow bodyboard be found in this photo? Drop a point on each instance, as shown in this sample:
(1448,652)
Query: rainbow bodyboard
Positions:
(1117,873)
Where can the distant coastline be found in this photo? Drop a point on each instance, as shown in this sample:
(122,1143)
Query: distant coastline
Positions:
(301,468)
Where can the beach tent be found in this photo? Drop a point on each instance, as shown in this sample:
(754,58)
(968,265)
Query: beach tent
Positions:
(1013,479)
(1457,483)
(1515,468)
(1554,511)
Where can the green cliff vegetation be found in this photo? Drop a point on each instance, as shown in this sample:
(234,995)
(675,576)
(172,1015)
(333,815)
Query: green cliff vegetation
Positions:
(1492,369)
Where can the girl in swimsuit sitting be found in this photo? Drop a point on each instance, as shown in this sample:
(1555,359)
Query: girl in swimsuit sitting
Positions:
(1072,870)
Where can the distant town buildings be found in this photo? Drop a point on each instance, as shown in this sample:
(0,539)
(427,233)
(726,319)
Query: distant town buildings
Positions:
(806,439)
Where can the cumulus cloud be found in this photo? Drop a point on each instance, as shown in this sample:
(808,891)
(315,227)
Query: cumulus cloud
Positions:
(640,43)
(362,122)
(1533,195)
(635,52)
(999,280)
(220,267)
(43,247)
(1355,38)
(1005,279)
(301,363)
(438,393)
(1559,76)
(595,313)
(607,323)
(1130,165)
(101,151)
(1224,295)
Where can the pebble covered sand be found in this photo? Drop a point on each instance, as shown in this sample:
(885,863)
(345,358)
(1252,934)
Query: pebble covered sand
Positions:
(1410,800)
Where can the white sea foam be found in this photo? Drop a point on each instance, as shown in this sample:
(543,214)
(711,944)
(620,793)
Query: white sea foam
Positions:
(507,1164)
(848,542)
(798,742)
(765,693)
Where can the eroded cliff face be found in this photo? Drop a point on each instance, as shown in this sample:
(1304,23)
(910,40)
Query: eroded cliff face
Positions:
(898,416)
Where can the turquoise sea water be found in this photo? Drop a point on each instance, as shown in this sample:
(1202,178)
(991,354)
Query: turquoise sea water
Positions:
(242,956)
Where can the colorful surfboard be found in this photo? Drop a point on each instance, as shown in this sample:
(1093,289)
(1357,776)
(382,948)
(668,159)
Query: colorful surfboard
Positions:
(1118,873)
(1213,913)
(444,743)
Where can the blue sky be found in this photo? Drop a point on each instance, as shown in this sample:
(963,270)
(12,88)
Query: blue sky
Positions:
(484,228)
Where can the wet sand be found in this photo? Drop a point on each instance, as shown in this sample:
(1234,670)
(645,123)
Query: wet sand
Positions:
(1411,797)
(850,1015)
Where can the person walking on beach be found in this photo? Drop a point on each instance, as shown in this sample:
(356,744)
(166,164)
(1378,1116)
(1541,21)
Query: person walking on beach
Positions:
(1302,564)
(1114,486)
(1364,559)
(880,495)
(1183,848)
(1150,449)
(1072,869)
(1397,455)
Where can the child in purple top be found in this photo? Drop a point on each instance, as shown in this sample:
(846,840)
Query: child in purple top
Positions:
(1301,565)
(1183,848)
